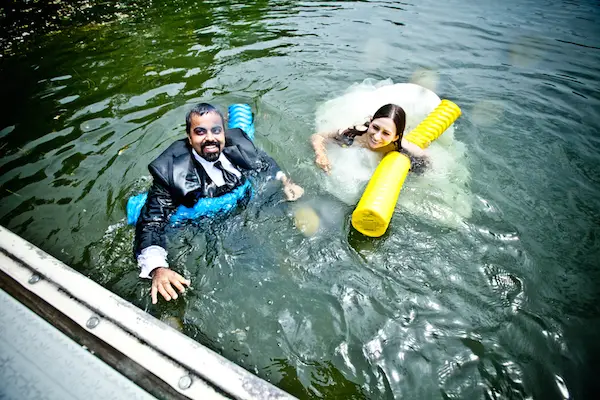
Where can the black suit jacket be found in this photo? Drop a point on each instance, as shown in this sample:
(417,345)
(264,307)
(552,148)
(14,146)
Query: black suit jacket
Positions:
(179,179)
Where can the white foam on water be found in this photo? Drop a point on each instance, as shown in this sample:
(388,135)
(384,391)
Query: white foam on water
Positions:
(440,194)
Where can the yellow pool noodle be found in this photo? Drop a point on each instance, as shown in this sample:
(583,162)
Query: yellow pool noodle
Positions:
(434,125)
(372,215)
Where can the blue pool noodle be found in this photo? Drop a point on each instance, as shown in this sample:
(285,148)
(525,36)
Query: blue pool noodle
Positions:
(240,116)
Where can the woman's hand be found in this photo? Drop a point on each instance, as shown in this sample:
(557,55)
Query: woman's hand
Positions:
(162,279)
(323,162)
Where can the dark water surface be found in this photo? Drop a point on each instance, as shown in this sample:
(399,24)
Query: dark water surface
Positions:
(503,305)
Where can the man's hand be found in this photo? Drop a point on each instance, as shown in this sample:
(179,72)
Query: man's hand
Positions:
(292,191)
(162,279)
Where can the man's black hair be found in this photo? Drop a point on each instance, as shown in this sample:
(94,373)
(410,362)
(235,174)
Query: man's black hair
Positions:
(200,109)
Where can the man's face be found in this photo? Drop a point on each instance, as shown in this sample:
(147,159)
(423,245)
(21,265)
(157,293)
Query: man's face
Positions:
(207,135)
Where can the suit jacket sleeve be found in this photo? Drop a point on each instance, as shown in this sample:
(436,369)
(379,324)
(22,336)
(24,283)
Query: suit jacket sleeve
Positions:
(155,214)
(268,164)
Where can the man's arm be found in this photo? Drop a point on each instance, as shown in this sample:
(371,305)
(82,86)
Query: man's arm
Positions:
(151,244)
(291,190)
(155,214)
(266,164)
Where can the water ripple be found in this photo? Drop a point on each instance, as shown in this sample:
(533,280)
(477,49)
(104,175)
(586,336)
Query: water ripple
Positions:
(477,293)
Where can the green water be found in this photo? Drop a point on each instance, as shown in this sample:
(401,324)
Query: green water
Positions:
(500,303)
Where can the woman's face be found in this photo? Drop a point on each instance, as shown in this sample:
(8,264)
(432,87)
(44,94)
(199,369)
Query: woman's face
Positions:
(381,132)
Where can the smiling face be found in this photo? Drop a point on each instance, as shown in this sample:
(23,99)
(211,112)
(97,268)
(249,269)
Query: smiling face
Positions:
(207,135)
(381,132)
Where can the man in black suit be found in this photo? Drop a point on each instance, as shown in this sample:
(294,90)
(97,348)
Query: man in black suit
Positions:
(210,162)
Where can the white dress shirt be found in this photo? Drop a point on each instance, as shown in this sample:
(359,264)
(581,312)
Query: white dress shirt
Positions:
(214,173)
(155,256)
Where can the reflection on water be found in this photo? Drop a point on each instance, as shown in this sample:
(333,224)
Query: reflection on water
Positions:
(484,285)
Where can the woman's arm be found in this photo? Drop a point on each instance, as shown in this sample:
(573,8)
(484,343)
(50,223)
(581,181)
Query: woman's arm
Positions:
(318,141)
(413,149)
(419,158)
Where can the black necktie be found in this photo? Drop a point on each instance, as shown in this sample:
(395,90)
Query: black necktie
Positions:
(231,180)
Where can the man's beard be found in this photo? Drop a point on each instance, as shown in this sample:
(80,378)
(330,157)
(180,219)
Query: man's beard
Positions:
(210,157)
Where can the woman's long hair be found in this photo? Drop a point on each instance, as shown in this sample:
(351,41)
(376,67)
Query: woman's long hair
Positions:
(396,113)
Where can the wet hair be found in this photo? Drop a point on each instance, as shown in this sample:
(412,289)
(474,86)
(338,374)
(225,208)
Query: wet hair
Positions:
(200,109)
(396,113)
